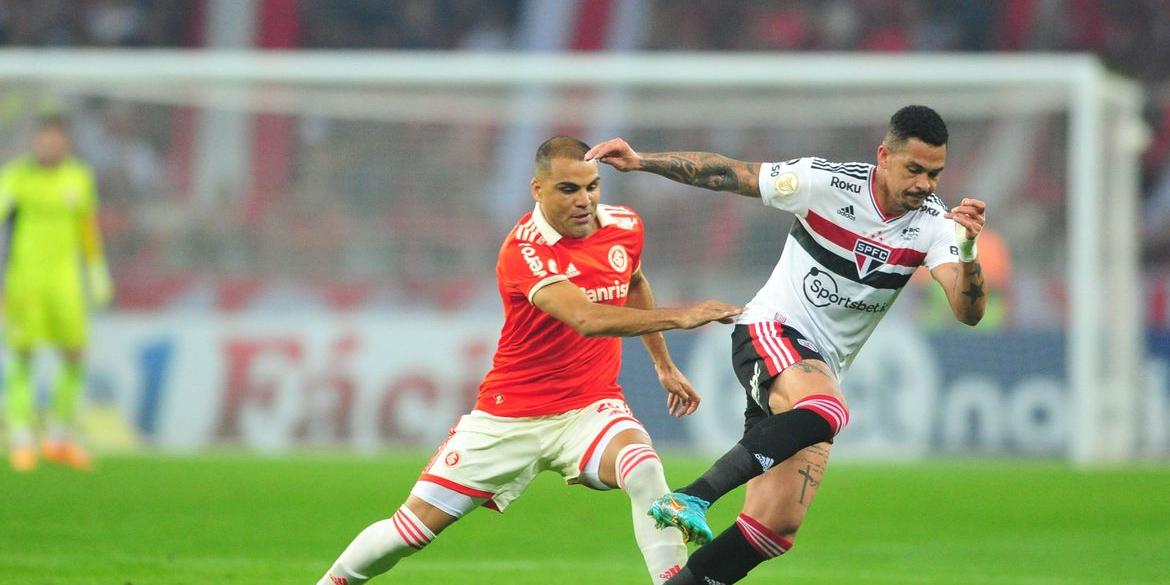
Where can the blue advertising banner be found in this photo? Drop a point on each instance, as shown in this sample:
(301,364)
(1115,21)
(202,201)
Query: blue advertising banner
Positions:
(911,394)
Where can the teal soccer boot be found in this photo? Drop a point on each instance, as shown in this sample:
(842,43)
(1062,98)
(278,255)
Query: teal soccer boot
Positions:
(685,512)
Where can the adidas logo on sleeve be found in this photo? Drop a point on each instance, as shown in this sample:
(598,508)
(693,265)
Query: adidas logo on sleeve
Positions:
(765,462)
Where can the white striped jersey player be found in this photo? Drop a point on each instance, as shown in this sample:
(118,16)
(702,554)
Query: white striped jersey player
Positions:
(844,262)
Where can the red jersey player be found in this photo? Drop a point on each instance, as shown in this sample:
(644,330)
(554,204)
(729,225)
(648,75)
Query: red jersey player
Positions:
(571,281)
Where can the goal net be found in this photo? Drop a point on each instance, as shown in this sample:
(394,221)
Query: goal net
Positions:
(369,192)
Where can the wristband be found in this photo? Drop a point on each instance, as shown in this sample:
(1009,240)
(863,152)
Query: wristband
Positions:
(966,246)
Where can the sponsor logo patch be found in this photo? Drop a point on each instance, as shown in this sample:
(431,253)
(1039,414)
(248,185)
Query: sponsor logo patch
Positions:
(927,209)
(533,260)
(615,408)
(847,212)
(820,288)
(787,184)
(844,185)
(618,290)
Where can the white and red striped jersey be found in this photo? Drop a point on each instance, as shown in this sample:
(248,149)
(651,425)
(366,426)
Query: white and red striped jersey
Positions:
(844,262)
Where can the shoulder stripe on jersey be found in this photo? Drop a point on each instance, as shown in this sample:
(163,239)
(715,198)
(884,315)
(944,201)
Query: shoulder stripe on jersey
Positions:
(859,173)
(842,267)
(847,239)
(855,167)
(527,232)
(851,175)
(820,162)
(935,199)
(617,209)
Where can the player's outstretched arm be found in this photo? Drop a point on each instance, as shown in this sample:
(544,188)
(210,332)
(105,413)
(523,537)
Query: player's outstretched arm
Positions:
(565,302)
(701,169)
(963,281)
(681,397)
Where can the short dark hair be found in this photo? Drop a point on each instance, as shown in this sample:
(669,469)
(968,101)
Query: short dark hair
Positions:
(559,147)
(918,122)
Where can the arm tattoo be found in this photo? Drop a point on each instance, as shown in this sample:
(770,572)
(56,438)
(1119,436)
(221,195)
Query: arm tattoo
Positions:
(974,292)
(706,170)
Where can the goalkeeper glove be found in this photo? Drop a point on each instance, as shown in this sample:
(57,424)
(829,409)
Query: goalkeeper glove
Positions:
(966,245)
(101,288)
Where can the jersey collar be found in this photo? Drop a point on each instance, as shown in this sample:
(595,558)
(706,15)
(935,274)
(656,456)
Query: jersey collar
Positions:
(552,236)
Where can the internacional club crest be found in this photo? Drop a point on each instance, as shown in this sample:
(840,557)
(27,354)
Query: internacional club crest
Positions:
(618,258)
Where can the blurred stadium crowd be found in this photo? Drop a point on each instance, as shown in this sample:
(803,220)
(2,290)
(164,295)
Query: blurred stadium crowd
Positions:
(331,244)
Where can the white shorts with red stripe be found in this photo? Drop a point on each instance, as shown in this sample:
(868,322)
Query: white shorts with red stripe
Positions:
(490,460)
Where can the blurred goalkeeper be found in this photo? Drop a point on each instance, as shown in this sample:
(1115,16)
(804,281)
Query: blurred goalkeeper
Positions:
(861,232)
(49,205)
(571,281)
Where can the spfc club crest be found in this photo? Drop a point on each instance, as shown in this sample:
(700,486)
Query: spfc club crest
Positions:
(869,256)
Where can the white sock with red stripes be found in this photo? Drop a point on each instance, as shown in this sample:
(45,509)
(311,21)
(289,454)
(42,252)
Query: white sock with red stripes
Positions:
(378,548)
(640,474)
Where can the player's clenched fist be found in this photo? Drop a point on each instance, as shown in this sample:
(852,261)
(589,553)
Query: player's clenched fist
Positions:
(709,311)
(969,213)
(969,221)
(616,153)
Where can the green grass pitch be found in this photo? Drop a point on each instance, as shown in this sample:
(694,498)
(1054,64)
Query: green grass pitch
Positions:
(246,520)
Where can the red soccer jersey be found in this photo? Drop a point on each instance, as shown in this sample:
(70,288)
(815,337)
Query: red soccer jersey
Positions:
(543,366)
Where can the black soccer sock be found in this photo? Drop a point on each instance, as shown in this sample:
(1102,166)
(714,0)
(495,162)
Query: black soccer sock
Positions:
(683,577)
(727,473)
(725,560)
(773,440)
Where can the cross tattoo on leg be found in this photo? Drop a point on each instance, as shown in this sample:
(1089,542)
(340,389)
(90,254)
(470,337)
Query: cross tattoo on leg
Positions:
(808,479)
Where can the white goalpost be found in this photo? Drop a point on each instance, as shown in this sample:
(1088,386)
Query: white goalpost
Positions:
(462,125)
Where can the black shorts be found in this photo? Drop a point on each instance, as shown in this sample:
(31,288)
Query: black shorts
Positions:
(759,352)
